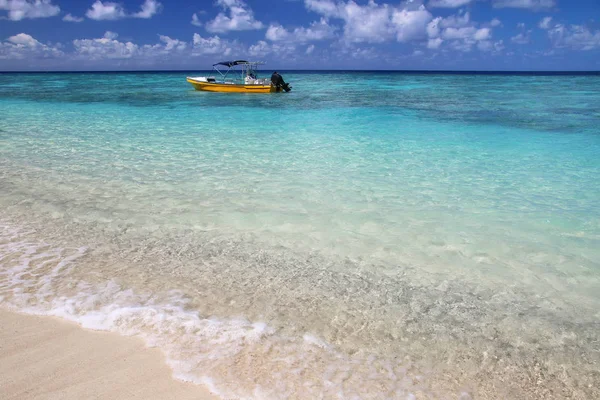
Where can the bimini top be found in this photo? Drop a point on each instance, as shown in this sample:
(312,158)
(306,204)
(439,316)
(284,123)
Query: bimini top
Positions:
(231,63)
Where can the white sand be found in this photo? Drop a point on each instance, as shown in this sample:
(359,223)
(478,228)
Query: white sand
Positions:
(46,358)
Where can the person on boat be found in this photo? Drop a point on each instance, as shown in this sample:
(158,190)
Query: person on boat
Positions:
(250,78)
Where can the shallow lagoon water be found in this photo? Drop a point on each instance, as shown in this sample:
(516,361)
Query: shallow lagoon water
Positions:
(416,236)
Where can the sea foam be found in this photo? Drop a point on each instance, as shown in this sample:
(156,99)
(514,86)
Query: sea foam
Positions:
(233,358)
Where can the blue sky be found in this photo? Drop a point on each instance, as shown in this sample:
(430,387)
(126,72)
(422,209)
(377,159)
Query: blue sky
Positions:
(301,34)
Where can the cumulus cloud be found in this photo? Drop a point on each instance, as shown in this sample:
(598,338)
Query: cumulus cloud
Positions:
(240,18)
(105,47)
(456,21)
(105,11)
(489,46)
(318,30)
(449,3)
(112,11)
(375,19)
(310,49)
(461,33)
(495,22)
(434,43)
(196,20)
(575,37)
(521,38)
(24,46)
(214,45)
(111,35)
(433,27)
(410,24)
(22,9)
(545,23)
(149,9)
(468,32)
(262,48)
(534,5)
(172,44)
(108,47)
(72,18)
(166,46)
(375,23)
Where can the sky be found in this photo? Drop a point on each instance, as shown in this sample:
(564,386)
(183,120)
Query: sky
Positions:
(488,35)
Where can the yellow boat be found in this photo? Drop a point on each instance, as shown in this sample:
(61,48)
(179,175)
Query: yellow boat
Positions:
(242,80)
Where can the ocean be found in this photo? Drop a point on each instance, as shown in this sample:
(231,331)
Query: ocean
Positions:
(370,235)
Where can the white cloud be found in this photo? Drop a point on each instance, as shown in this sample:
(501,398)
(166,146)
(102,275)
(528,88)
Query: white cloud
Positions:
(112,11)
(23,39)
(545,23)
(449,3)
(108,47)
(460,33)
(310,49)
(482,34)
(172,44)
(434,43)
(411,24)
(368,23)
(318,30)
(456,21)
(325,7)
(468,32)
(72,18)
(105,47)
(105,11)
(521,38)
(240,18)
(260,48)
(149,9)
(22,9)
(111,35)
(375,23)
(534,5)
(495,22)
(521,25)
(489,46)
(166,46)
(575,37)
(196,20)
(433,27)
(214,45)
(24,46)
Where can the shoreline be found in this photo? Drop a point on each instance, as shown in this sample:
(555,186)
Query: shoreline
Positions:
(47,358)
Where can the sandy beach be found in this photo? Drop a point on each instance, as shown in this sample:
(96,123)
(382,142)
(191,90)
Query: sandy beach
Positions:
(46,358)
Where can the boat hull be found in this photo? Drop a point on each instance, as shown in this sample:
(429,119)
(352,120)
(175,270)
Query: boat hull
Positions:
(231,88)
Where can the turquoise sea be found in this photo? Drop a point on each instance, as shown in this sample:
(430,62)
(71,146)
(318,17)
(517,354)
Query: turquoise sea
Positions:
(370,235)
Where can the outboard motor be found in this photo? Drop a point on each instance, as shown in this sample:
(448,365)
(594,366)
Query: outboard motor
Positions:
(286,87)
(279,83)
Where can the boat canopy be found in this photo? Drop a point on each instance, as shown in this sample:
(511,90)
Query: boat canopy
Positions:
(231,63)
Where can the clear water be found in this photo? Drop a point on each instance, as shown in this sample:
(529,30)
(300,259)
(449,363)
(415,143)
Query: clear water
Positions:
(368,235)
